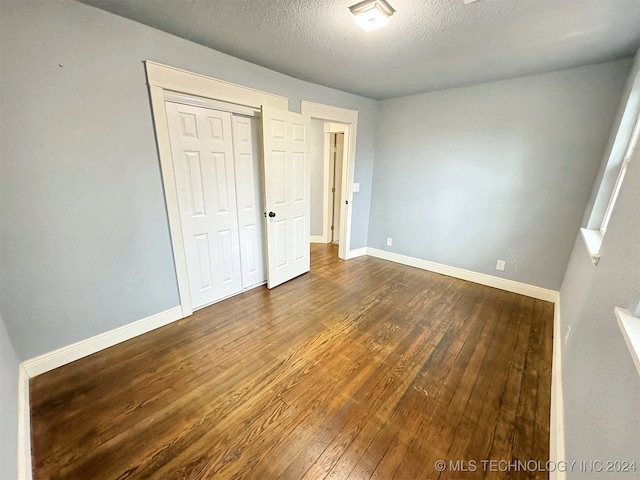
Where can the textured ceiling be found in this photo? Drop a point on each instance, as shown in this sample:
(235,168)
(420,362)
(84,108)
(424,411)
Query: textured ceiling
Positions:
(428,45)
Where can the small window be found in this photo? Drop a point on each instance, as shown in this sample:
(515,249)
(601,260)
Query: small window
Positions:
(622,149)
(623,170)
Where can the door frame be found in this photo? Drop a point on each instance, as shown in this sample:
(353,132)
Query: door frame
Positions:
(163,79)
(331,128)
(349,118)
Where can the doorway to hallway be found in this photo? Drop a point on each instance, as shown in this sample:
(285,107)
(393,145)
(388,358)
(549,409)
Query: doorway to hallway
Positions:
(336,142)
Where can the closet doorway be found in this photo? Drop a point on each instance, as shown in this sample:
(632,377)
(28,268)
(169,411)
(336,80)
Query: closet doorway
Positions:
(285,204)
(237,207)
(218,178)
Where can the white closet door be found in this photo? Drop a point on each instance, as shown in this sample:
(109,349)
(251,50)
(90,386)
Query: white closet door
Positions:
(248,193)
(202,149)
(287,187)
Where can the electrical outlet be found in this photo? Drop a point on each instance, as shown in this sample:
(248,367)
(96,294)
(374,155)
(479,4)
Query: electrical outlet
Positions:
(356,187)
(500,265)
(389,242)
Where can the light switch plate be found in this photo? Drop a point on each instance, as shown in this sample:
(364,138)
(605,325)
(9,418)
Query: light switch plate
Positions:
(356,187)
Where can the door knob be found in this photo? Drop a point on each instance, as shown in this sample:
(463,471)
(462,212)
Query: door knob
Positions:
(272,214)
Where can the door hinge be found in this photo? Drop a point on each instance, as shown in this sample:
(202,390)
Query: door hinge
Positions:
(331,227)
(333,190)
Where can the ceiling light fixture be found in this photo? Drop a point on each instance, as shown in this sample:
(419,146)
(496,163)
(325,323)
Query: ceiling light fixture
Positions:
(372,14)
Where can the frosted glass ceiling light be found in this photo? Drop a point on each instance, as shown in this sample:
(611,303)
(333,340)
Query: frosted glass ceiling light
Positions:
(372,14)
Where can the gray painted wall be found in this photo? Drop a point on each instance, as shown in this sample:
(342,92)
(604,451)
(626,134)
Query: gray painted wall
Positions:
(503,170)
(601,386)
(8,406)
(461,176)
(316,137)
(85,239)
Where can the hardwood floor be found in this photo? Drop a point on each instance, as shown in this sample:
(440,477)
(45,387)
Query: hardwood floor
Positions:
(362,369)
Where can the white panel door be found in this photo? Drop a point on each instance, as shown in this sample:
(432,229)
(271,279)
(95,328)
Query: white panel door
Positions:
(202,149)
(287,188)
(248,192)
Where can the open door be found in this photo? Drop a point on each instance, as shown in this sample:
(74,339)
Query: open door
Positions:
(287,190)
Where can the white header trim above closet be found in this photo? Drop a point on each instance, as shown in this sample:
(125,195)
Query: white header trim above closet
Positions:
(177,80)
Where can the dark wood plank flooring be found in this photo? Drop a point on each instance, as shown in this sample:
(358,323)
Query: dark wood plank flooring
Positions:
(358,370)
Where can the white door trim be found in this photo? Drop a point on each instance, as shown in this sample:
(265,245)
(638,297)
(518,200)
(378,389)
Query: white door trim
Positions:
(182,81)
(161,79)
(350,119)
(328,112)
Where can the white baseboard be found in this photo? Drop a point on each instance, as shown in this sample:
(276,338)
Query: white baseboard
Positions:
(481,278)
(317,239)
(556,429)
(62,356)
(358,252)
(48,361)
(24,426)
